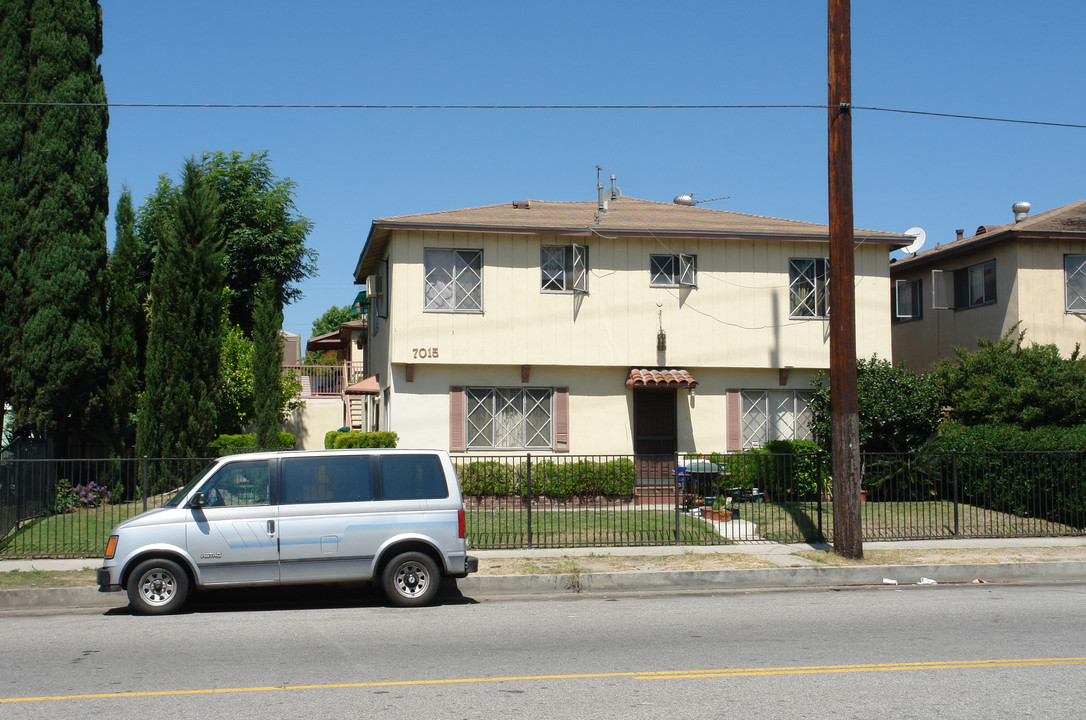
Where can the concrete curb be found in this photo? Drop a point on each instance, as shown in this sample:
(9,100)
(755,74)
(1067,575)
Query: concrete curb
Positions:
(679,581)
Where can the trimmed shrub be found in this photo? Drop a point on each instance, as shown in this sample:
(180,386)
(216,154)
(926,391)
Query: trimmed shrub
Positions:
(227,444)
(549,478)
(489,477)
(342,440)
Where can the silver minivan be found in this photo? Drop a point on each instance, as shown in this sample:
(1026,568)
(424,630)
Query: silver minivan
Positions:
(392,516)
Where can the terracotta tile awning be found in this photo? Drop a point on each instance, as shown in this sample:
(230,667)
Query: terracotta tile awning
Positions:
(368,386)
(653,378)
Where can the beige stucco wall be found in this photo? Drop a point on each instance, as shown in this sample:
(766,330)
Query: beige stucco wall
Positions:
(600,406)
(1041,294)
(312,421)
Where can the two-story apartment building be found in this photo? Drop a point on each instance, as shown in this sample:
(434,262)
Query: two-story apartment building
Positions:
(1030,272)
(617,327)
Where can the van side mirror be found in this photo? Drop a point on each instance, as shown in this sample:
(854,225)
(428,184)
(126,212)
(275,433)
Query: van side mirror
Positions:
(198,500)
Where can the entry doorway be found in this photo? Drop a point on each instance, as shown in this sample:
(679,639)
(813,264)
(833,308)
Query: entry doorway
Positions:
(655,421)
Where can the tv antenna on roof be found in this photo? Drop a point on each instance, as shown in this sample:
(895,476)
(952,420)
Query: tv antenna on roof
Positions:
(919,235)
(689,201)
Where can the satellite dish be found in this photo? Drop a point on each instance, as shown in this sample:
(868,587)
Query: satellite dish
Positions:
(918,243)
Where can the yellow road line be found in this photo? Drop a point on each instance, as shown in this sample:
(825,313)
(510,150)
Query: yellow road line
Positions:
(646,675)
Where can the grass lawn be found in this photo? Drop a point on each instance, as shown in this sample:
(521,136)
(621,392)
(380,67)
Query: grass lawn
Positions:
(583,528)
(80,532)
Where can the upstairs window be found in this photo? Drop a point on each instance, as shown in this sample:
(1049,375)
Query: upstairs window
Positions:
(975,285)
(673,270)
(453,280)
(906,300)
(1074,280)
(564,268)
(808,288)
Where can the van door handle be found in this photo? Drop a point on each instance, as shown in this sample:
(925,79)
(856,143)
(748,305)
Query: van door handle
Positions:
(271,528)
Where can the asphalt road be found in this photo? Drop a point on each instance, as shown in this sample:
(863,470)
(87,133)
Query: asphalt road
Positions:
(984,651)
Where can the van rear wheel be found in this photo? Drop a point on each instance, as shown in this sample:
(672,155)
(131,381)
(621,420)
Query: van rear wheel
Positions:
(411,580)
(157,587)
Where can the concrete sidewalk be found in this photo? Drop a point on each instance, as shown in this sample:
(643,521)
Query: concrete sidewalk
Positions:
(791,571)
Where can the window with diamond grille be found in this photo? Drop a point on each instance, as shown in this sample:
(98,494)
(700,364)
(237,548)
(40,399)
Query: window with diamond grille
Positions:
(1074,272)
(673,270)
(808,288)
(453,280)
(564,268)
(509,418)
(775,415)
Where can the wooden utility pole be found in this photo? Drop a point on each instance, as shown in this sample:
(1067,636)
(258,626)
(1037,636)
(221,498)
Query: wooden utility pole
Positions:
(844,406)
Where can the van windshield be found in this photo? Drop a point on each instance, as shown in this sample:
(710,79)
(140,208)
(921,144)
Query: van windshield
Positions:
(176,499)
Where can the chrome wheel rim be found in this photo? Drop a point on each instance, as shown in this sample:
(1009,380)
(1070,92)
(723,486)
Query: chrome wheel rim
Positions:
(158,587)
(412,579)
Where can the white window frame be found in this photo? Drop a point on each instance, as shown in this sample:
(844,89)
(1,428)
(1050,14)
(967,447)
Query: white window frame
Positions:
(563,269)
(907,305)
(971,285)
(808,288)
(1074,283)
(452,280)
(509,418)
(680,270)
(774,415)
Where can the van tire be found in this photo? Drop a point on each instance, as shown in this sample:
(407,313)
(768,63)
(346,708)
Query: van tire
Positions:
(157,587)
(411,579)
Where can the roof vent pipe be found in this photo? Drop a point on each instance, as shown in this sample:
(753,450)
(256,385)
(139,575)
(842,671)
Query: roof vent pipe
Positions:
(960,232)
(1021,211)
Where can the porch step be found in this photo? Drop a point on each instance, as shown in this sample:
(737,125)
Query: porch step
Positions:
(654,496)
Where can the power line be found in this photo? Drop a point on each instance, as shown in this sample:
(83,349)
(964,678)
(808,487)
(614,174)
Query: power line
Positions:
(316,106)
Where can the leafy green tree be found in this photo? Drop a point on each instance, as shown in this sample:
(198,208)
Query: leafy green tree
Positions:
(54,201)
(262,232)
(1006,382)
(178,408)
(126,327)
(899,409)
(235,402)
(332,318)
(268,364)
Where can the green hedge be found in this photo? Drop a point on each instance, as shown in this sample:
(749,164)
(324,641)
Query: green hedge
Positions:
(1045,477)
(580,478)
(784,469)
(225,444)
(344,439)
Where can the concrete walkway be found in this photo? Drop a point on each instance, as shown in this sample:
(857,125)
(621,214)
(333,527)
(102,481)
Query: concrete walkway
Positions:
(792,571)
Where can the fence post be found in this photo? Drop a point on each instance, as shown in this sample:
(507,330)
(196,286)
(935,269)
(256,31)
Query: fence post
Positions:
(821,492)
(954,476)
(678,497)
(528,497)
(143,466)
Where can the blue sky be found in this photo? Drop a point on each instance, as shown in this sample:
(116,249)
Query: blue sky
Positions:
(973,57)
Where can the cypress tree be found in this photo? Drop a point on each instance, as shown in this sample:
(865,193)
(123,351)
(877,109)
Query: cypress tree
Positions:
(178,407)
(126,326)
(268,364)
(14,33)
(55,201)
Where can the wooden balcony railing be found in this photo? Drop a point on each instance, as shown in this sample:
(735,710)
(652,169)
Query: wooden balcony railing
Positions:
(326,380)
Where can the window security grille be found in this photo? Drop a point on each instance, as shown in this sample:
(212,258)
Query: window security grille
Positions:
(453,280)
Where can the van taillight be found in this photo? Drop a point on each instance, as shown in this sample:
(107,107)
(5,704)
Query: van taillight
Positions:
(111,547)
(461,521)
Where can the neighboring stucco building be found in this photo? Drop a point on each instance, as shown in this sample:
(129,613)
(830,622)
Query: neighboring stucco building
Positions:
(617,327)
(1030,272)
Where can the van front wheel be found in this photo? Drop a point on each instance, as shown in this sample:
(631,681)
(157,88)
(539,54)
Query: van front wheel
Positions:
(157,587)
(411,580)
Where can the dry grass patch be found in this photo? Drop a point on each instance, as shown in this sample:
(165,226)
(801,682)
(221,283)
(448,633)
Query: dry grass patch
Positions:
(951,556)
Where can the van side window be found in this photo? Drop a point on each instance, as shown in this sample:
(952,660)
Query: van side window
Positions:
(412,477)
(327,479)
(238,484)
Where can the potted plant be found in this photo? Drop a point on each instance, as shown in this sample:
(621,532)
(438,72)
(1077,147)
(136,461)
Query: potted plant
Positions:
(717,511)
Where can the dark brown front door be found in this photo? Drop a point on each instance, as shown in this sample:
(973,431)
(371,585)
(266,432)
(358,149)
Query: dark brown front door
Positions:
(654,422)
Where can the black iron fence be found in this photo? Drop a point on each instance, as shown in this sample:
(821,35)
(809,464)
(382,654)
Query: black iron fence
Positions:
(67,507)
